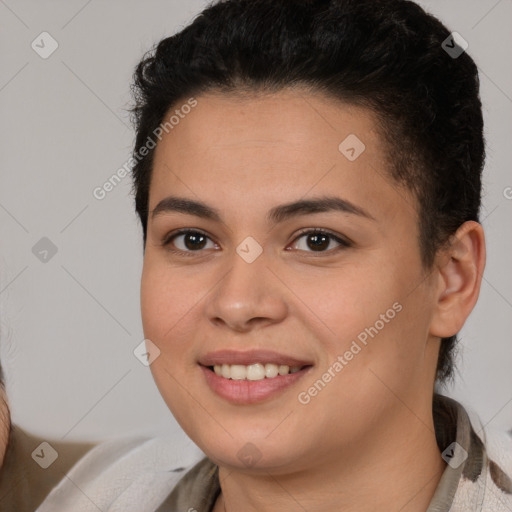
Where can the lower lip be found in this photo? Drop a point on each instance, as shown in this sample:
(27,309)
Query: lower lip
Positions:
(250,391)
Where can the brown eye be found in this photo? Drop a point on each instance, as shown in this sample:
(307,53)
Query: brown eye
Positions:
(189,241)
(319,241)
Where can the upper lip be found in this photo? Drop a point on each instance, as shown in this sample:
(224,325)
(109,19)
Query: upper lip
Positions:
(250,357)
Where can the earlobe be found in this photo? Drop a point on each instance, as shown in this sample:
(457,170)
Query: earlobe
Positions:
(460,268)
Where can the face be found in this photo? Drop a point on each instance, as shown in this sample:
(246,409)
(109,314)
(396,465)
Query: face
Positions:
(276,240)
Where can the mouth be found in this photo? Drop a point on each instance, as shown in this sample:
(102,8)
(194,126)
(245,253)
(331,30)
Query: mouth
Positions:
(251,377)
(253,365)
(255,371)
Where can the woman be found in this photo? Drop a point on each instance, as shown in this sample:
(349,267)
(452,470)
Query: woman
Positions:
(308,179)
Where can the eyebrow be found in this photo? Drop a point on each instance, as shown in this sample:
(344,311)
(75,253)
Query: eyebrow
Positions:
(275,215)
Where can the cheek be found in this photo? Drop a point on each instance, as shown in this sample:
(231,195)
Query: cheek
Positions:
(155,307)
(378,312)
(167,299)
(340,303)
(166,306)
(163,304)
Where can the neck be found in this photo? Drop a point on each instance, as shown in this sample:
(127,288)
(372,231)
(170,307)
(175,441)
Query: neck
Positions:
(400,465)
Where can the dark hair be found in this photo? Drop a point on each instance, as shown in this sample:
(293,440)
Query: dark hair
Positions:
(386,55)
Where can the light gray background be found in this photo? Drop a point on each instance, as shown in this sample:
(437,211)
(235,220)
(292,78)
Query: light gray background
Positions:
(69,326)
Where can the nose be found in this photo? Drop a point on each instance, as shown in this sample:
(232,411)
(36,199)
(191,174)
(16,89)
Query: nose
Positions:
(248,296)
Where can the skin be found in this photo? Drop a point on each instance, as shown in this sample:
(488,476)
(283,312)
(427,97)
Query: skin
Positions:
(367,439)
(4,424)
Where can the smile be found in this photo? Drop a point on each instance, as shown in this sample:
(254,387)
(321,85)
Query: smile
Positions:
(253,372)
(251,377)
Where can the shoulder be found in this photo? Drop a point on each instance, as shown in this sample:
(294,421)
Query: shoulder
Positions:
(479,461)
(497,445)
(499,451)
(490,488)
(487,477)
(130,474)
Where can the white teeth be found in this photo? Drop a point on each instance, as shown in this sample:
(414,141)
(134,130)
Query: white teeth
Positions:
(284,369)
(238,372)
(255,371)
(271,370)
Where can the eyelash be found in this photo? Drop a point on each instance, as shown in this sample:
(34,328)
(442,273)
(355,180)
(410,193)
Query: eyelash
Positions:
(344,243)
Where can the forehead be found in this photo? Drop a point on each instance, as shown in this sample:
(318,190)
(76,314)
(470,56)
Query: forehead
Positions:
(273,148)
(288,120)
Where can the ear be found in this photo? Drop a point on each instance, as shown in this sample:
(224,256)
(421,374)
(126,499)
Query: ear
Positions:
(460,268)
